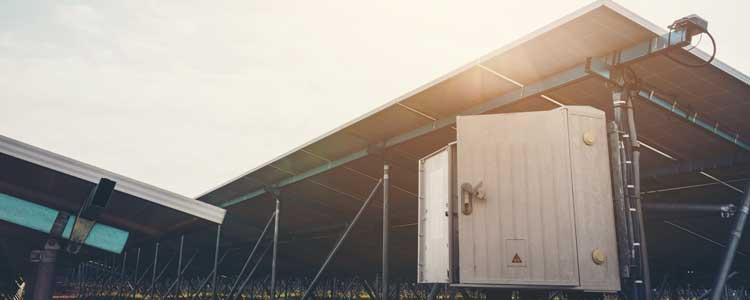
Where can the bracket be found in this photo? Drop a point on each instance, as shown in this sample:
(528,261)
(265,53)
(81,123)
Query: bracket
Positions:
(90,210)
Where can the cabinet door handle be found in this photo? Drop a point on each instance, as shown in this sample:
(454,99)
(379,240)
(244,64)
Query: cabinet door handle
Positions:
(470,193)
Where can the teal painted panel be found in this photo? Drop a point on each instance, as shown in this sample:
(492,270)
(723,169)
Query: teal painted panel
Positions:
(41,218)
(101,236)
(27,214)
(107,238)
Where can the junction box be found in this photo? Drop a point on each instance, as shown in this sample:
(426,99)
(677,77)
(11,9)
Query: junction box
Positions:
(520,200)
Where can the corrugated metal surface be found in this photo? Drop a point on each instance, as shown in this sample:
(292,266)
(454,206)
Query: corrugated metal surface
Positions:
(523,232)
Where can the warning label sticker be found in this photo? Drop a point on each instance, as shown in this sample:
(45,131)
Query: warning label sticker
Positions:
(517,251)
(516,259)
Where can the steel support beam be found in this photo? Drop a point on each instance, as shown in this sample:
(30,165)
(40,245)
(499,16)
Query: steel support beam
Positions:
(136,285)
(386,232)
(734,242)
(369,290)
(156,261)
(693,118)
(252,253)
(434,290)
(555,81)
(699,236)
(603,67)
(724,209)
(252,271)
(43,284)
(178,280)
(158,277)
(739,159)
(208,277)
(646,269)
(179,263)
(137,264)
(629,148)
(341,240)
(216,262)
(124,260)
(621,205)
(275,249)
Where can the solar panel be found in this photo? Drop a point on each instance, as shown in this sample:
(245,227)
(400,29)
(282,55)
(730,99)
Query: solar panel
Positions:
(322,180)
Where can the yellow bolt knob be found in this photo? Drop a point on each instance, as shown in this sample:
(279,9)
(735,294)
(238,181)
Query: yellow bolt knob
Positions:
(588,138)
(598,256)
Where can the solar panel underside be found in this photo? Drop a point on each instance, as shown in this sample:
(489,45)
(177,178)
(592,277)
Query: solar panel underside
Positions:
(315,209)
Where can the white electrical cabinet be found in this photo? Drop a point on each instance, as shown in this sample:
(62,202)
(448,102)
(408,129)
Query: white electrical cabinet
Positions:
(520,200)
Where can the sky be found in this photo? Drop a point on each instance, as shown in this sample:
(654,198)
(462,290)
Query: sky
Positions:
(186,95)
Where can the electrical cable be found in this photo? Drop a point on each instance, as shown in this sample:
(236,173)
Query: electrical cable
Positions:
(689,65)
(700,39)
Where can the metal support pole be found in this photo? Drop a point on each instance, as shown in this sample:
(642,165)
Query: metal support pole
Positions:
(205,280)
(434,292)
(122,279)
(179,263)
(252,271)
(720,209)
(216,261)
(252,253)
(343,237)
(124,260)
(636,152)
(734,241)
(465,294)
(158,277)
(370,291)
(137,263)
(700,236)
(620,205)
(386,229)
(630,155)
(44,283)
(181,272)
(153,274)
(275,250)
(139,279)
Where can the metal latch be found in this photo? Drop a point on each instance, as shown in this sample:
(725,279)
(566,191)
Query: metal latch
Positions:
(468,195)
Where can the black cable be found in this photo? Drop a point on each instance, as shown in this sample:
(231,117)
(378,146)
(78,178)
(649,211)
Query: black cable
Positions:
(634,82)
(700,39)
(688,65)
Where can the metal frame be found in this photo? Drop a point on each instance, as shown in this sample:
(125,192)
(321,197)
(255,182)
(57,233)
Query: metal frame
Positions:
(340,241)
(41,218)
(384,294)
(602,66)
(126,185)
(572,75)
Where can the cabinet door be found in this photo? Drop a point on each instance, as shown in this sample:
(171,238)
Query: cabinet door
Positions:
(522,232)
(434,221)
